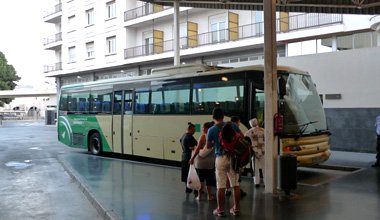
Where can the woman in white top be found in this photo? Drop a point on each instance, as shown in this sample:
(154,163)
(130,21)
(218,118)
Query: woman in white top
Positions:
(204,162)
(256,134)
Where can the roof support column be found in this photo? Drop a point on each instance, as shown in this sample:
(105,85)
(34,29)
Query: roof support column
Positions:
(176,34)
(270,92)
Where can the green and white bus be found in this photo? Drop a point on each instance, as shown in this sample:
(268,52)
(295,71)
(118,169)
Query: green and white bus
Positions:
(145,116)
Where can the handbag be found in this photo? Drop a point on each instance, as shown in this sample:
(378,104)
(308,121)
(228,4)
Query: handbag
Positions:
(193,181)
(205,151)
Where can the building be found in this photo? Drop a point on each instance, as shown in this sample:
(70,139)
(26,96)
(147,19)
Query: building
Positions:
(104,39)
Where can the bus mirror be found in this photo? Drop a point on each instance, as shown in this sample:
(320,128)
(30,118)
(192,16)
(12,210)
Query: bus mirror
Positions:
(281,87)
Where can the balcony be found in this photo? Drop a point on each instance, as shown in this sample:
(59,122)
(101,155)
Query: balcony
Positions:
(53,42)
(53,67)
(255,30)
(145,10)
(54,16)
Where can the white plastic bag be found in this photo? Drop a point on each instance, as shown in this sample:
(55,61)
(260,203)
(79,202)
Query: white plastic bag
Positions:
(193,181)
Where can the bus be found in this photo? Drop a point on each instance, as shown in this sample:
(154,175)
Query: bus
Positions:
(143,117)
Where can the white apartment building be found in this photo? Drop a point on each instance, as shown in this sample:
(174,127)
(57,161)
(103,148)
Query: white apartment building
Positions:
(101,39)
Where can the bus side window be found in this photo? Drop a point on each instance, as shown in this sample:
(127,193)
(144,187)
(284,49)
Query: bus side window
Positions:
(82,104)
(142,102)
(171,97)
(97,106)
(107,103)
(127,106)
(63,103)
(128,101)
(106,106)
(72,104)
(117,100)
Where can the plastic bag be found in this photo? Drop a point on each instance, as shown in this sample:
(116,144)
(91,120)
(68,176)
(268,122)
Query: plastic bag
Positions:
(193,181)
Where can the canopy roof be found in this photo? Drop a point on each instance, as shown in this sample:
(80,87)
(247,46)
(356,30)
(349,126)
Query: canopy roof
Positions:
(309,6)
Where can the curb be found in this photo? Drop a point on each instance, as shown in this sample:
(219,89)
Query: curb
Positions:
(106,214)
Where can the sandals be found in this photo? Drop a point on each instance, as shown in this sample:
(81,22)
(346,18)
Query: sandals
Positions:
(234,211)
(219,213)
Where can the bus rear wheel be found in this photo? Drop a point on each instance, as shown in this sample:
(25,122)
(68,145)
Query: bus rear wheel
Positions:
(95,144)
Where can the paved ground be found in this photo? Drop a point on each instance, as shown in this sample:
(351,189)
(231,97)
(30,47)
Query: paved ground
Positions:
(35,186)
(33,183)
(130,190)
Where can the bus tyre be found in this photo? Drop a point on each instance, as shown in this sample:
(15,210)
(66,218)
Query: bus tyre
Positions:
(95,144)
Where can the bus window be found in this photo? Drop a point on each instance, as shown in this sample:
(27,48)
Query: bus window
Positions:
(227,95)
(77,102)
(142,102)
(156,105)
(170,99)
(259,106)
(71,104)
(128,102)
(63,103)
(105,96)
(117,101)
(176,98)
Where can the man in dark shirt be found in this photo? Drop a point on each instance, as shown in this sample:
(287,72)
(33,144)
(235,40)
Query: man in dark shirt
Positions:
(188,143)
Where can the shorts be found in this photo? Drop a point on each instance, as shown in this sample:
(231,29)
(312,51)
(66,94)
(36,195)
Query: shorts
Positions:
(207,175)
(224,170)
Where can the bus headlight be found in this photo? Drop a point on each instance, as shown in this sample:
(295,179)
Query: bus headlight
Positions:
(292,148)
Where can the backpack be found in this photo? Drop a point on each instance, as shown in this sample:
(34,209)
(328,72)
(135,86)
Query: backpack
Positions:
(234,145)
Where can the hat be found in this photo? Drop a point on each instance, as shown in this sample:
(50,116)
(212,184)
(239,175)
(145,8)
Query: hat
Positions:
(253,122)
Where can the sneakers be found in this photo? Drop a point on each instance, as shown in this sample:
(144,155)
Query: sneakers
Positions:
(219,213)
(234,212)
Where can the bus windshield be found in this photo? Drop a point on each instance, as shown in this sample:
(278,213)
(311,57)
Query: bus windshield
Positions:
(303,113)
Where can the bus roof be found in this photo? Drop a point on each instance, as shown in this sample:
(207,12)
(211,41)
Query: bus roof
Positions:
(182,71)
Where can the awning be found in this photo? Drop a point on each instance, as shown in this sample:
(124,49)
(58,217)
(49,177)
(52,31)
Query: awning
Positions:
(308,6)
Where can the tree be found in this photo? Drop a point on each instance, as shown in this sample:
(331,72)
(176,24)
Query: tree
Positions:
(8,77)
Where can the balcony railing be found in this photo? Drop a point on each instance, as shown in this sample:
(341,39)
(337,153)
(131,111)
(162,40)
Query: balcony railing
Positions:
(141,11)
(57,8)
(310,20)
(52,39)
(245,31)
(53,67)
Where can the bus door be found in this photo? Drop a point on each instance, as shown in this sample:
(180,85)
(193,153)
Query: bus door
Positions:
(117,124)
(256,107)
(127,122)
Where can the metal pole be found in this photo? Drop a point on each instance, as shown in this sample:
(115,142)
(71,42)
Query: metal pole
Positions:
(270,91)
(176,34)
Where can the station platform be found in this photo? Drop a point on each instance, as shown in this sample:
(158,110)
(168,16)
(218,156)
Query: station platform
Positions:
(345,187)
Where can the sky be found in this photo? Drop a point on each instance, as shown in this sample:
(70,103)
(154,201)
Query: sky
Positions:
(22,31)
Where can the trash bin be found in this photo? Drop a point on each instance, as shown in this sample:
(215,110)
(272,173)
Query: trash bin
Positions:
(288,172)
(50,116)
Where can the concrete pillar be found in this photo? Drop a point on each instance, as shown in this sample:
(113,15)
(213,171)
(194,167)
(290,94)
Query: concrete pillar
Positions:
(334,46)
(270,91)
(176,34)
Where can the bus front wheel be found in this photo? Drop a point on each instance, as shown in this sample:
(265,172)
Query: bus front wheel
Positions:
(95,144)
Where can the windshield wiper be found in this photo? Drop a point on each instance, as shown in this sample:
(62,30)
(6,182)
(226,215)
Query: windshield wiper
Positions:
(304,126)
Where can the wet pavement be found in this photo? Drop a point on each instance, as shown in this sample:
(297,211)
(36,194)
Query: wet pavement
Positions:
(132,190)
(33,183)
(40,179)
